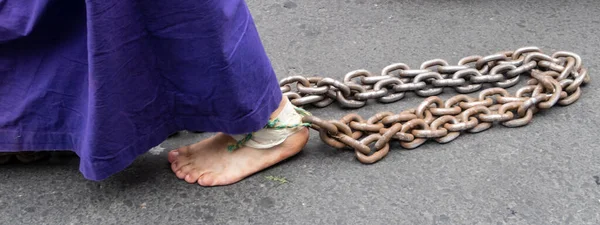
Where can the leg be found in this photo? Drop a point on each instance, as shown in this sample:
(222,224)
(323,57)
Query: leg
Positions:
(209,163)
(185,56)
(24,156)
(237,62)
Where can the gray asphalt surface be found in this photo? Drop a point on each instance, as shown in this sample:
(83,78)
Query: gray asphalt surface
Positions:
(544,173)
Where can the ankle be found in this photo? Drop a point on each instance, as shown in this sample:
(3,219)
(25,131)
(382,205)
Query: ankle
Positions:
(282,103)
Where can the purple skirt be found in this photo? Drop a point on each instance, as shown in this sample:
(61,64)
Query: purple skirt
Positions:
(111,79)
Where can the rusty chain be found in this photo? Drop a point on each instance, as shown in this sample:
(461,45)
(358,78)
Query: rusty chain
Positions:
(554,79)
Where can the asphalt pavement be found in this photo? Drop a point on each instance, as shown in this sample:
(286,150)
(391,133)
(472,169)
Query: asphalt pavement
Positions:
(544,173)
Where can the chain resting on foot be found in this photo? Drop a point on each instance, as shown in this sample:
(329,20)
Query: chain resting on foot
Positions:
(554,80)
(288,122)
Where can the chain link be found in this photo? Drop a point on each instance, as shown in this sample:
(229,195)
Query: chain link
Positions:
(554,79)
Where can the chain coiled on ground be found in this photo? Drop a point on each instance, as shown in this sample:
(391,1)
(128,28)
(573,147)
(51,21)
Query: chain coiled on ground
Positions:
(554,79)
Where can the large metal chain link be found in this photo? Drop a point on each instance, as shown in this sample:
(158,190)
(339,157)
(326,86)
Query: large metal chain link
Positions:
(554,79)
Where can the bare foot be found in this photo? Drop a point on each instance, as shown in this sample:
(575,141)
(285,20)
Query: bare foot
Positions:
(209,163)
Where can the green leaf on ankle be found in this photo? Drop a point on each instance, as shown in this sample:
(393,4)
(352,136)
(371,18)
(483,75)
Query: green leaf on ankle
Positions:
(281,180)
